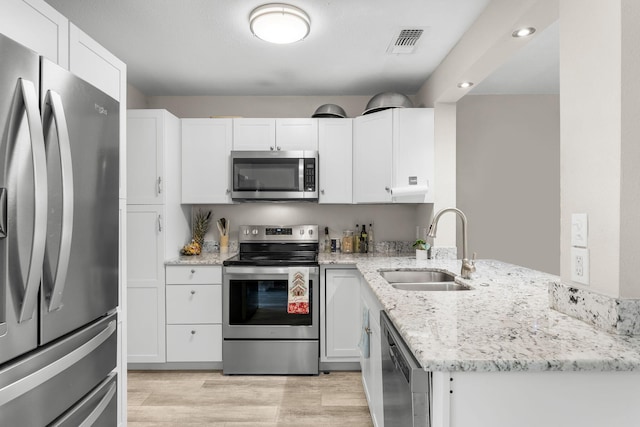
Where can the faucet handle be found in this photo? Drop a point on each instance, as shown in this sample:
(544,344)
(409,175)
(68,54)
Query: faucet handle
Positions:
(473,258)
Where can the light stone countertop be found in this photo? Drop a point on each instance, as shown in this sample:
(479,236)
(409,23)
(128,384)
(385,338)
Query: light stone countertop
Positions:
(503,324)
(206,258)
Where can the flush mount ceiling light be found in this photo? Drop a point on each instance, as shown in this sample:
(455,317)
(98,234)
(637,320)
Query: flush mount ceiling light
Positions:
(279,23)
(523,32)
(464,85)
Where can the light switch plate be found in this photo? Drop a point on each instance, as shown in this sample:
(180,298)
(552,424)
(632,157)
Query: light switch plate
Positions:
(579,230)
(580,265)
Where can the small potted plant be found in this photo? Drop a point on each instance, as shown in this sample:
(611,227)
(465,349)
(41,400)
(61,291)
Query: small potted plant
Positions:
(421,249)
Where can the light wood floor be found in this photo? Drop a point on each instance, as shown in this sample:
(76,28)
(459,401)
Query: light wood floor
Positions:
(208,398)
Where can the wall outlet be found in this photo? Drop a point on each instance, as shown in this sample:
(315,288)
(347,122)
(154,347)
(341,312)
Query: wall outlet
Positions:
(580,265)
(579,230)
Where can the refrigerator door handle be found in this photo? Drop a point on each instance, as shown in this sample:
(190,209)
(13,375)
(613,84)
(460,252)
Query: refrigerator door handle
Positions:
(38,157)
(32,381)
(54,109)
(3,213)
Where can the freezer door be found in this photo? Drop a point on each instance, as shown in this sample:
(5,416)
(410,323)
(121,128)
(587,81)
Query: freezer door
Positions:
(40,388)
(22,199)
(98,409)
(80,276)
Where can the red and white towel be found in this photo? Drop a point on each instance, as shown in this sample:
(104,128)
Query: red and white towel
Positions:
(298,290)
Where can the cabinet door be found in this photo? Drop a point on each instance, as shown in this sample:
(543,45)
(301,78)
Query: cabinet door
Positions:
(38,26)
(145,245)
(413,151)
(193,304)
(194,343)
(297,134)
(376,406)
(145,142)
(342,313)
(372,151)
(145,324)
(335,148)
(206,145)
(92,62)
(254,134)
(145,284)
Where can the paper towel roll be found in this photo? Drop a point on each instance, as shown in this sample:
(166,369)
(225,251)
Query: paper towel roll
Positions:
(409,190)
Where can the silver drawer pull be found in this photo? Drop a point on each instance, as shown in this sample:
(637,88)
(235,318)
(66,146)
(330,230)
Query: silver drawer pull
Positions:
(193,332)
(193,271)
(193,292)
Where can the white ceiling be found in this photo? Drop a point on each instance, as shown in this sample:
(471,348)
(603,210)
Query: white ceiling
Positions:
(534,69)
(205,47)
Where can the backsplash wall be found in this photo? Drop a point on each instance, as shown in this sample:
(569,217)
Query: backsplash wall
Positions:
(390,222)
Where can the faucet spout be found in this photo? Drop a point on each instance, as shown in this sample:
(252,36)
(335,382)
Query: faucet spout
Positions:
(468,266)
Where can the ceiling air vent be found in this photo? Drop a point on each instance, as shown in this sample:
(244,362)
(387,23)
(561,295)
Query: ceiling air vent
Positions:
(405,41)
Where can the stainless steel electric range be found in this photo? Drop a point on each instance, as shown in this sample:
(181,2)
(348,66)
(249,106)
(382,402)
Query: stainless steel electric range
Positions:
(261,334)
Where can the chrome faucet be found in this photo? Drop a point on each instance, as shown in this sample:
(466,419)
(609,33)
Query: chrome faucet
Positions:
(468,267)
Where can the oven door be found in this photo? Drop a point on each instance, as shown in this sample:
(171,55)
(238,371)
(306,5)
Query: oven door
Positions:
(255,301)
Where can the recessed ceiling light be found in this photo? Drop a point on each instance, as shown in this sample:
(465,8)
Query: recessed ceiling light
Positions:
(279,23)
(464,85)
(523,32)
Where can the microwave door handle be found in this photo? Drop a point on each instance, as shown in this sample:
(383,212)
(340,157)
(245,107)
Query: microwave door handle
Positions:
(301,175)
(29,102)
(54,109)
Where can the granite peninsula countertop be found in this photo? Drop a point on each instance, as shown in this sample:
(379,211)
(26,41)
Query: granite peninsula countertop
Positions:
(503,324)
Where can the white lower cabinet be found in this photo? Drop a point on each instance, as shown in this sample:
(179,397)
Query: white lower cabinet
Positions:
(194,313)
(194,343)
(370,356)
(341,315)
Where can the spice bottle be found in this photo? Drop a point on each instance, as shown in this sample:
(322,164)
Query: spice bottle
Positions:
(371,244)
(347,241)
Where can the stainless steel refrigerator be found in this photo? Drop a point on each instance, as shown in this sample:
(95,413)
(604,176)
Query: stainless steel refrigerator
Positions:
(58,245)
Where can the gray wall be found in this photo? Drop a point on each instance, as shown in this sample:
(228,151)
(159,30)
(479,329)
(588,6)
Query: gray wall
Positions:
(508,177)
(136,99)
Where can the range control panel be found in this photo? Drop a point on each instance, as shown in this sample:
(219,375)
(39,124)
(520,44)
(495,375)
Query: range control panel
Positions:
(278,233)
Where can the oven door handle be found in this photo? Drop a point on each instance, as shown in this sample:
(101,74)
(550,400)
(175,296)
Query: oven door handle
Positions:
(264,270)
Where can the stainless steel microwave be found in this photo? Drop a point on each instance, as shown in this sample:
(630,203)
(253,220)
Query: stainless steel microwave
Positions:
(274,175)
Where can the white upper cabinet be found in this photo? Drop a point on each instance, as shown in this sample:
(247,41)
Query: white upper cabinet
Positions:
(413,153)
(335,150)
(38,26)
(297,134)
(206,145)
(93,63)
(393,156)
(372,150)
(145,152)
(254,134)
(275,134)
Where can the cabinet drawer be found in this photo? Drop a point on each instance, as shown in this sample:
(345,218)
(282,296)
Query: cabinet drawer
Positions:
(194,343)
(193,304)
(193,274)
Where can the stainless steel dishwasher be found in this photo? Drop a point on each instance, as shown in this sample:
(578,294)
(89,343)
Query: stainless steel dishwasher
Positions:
(406,387)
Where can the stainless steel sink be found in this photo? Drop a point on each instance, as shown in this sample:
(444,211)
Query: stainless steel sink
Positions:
(435,286)
(422,280)
(416,276)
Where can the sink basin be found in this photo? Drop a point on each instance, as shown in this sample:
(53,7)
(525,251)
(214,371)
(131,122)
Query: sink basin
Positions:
(434,286)
(416,276)
(422,280)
